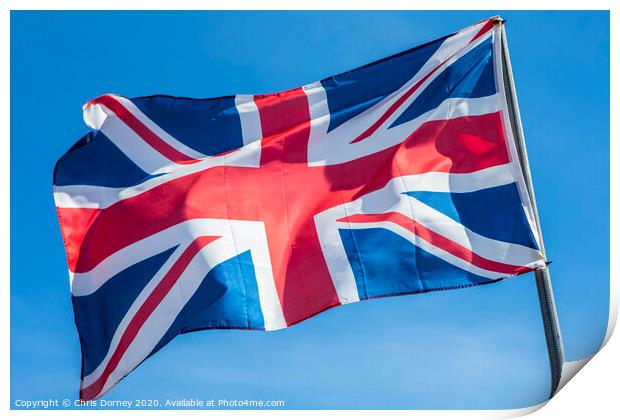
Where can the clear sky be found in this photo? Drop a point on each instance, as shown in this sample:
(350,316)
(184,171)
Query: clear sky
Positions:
(479,347)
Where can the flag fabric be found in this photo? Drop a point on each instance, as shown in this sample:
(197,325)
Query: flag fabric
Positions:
(259,211)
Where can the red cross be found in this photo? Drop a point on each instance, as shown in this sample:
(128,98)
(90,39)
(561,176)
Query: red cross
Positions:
(283,192)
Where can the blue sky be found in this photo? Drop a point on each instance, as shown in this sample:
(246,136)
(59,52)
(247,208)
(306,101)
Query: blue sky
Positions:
(480,347)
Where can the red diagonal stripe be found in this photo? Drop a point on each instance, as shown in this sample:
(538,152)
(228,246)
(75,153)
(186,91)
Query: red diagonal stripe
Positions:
(485,28)
(142,130)
(375,126)
(147,308)
(439,241)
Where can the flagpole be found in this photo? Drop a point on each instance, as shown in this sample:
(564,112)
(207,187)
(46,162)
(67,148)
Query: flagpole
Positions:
(543,279)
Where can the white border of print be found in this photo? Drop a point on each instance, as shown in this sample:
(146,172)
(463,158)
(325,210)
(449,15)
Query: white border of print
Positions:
(594,394)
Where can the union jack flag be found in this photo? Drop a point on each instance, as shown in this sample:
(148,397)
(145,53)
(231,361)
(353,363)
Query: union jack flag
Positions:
(259,211)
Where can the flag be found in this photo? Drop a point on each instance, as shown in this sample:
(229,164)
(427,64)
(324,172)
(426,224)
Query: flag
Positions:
(259,211)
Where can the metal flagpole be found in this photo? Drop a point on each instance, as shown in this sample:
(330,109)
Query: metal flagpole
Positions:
(543,279)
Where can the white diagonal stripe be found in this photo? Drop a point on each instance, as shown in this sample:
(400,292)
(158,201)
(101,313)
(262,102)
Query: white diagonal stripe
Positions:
(335,147)
(245,235)
(155,128)
(99,117)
